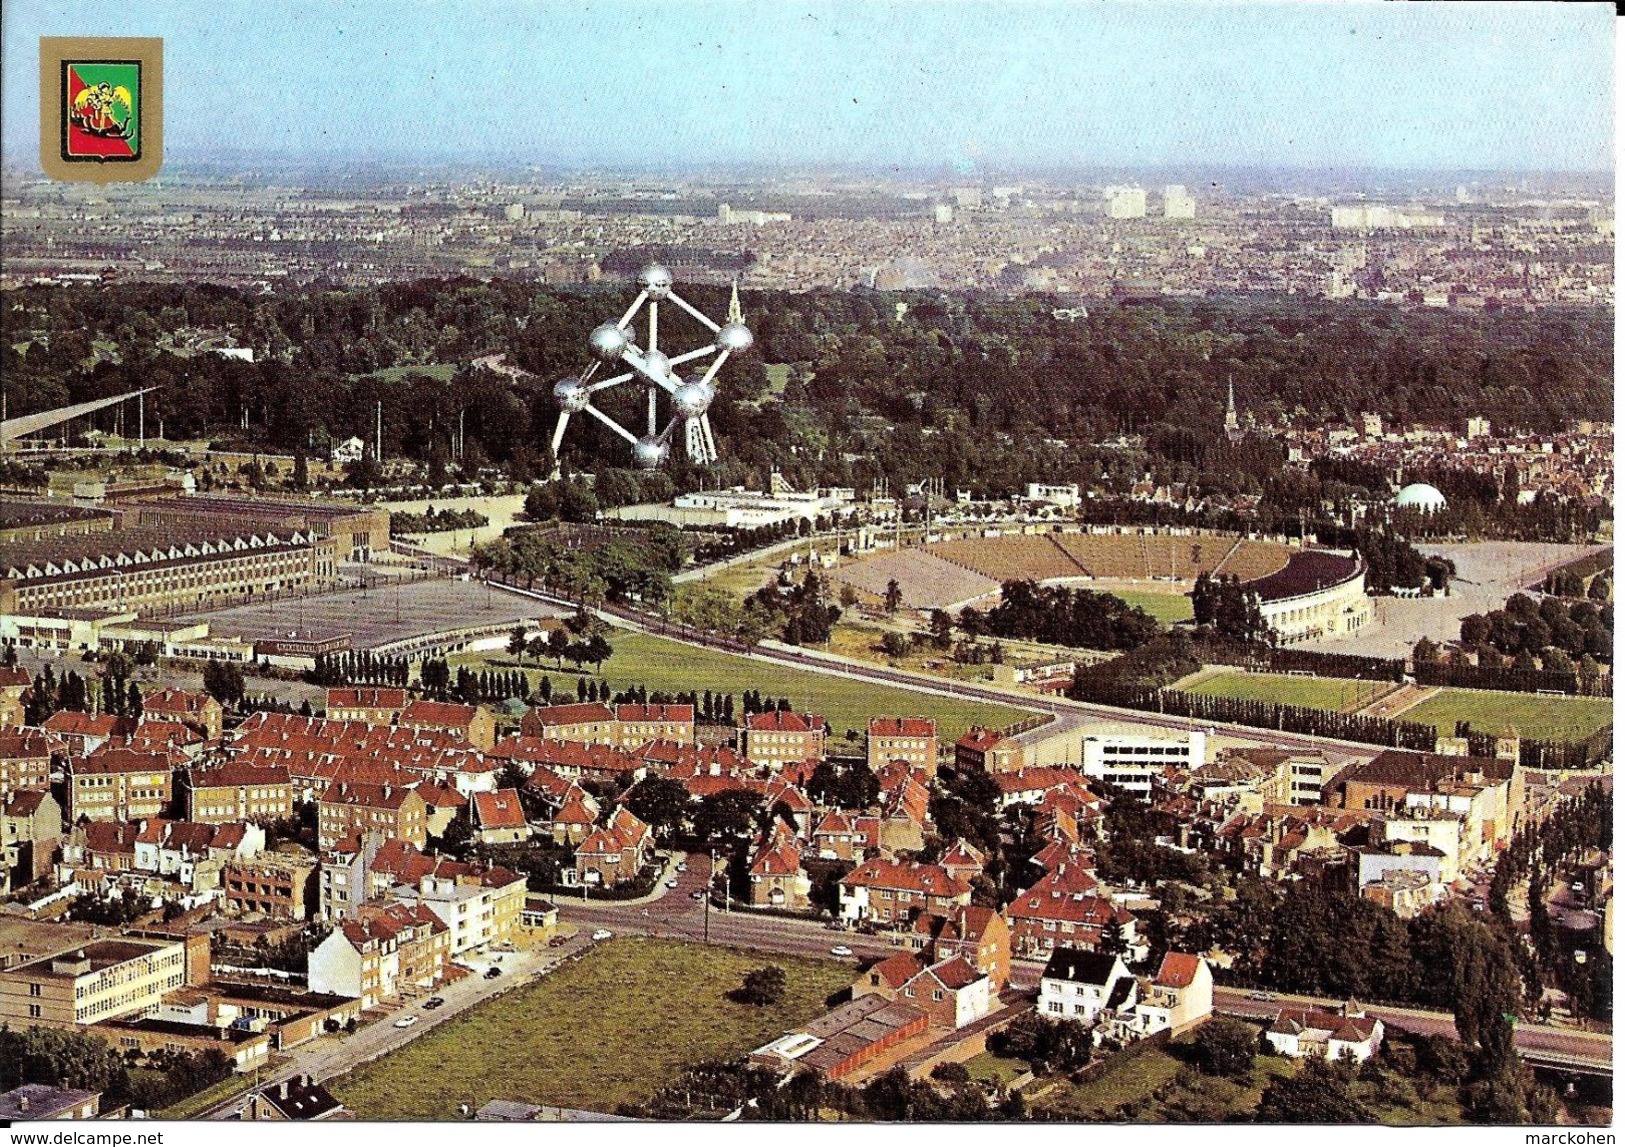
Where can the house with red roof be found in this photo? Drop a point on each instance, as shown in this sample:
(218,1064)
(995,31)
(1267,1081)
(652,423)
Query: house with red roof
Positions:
(963,860)
(14,686)
(198,710)
(369,704)
(950,991)
(194,854)
(1032,784)
(237,790)
(499,818)
(1178,997)
(591,723)
(84,733)
(979,934)
(1064,909)
(641,723)
(442,804)
(615,853)
(474,723)
(117,783)
(846,836)
(777,878)
(30,831)
(779,738)
(376,954)
(912,740)
(988,749)
(893,893)
(573,760)
(25,760)
(392,810)
(1347,1033)
(576,817)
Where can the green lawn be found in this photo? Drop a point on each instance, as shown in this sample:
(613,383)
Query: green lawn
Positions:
(194,1105)
(669,666)
(1160,1087)
(1129,1081)
(610,1029)
(1532,715)
(439,371)
(1165,607)
(778,376)
(1311,692)
(994,1068)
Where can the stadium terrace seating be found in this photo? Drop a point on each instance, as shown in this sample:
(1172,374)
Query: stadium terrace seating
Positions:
(927,581)
(1014,556)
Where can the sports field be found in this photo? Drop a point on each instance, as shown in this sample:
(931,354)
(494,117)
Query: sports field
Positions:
(665,666)
(1335,693)
(608,1030)
(1165,607)
(1532,715)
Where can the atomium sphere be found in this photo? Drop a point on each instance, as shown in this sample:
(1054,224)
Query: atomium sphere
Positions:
(570,395)
(650,453)
(608,341)
(656,280)
(659,365)
(735,337)
(693,398)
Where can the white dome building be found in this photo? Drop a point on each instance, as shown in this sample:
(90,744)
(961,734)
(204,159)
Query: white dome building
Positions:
(1420,496)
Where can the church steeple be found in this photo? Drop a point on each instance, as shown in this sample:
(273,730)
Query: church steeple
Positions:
(1232,424)
(735,314)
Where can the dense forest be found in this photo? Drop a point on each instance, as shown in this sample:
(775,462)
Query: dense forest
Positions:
(984,392)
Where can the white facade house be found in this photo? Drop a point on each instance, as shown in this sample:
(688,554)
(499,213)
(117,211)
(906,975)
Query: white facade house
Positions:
(1345,1034)
(1086,986)
(1178,998)
(1130,760)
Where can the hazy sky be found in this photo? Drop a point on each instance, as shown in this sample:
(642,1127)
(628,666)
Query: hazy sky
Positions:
(967,83)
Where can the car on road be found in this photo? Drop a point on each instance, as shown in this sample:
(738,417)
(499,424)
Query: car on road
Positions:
(683,867)
(1265,996)
(433,1002)
(840,950)
(603,934)
(406,1021)
(672,883)
(492,972)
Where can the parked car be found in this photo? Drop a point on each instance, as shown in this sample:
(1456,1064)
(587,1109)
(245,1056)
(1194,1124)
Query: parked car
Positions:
(492,973)
(672,883)
(432,1003)
(683,867)
(603,934)
(406,1021)
(556,942)
(840,950)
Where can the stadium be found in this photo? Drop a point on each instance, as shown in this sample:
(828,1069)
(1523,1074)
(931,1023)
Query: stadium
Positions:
(1307,594)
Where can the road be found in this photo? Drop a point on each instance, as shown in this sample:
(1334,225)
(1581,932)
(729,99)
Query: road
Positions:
(1060,707)
(675,913)
(1543,1041)
(332,1056)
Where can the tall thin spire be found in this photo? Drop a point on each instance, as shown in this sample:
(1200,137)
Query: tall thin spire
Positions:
(1232,424)
(735,315)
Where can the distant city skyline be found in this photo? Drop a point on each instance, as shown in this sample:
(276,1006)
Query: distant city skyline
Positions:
(962,88)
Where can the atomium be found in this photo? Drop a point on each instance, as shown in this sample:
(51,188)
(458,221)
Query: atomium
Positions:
(693,398)
(690,398)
